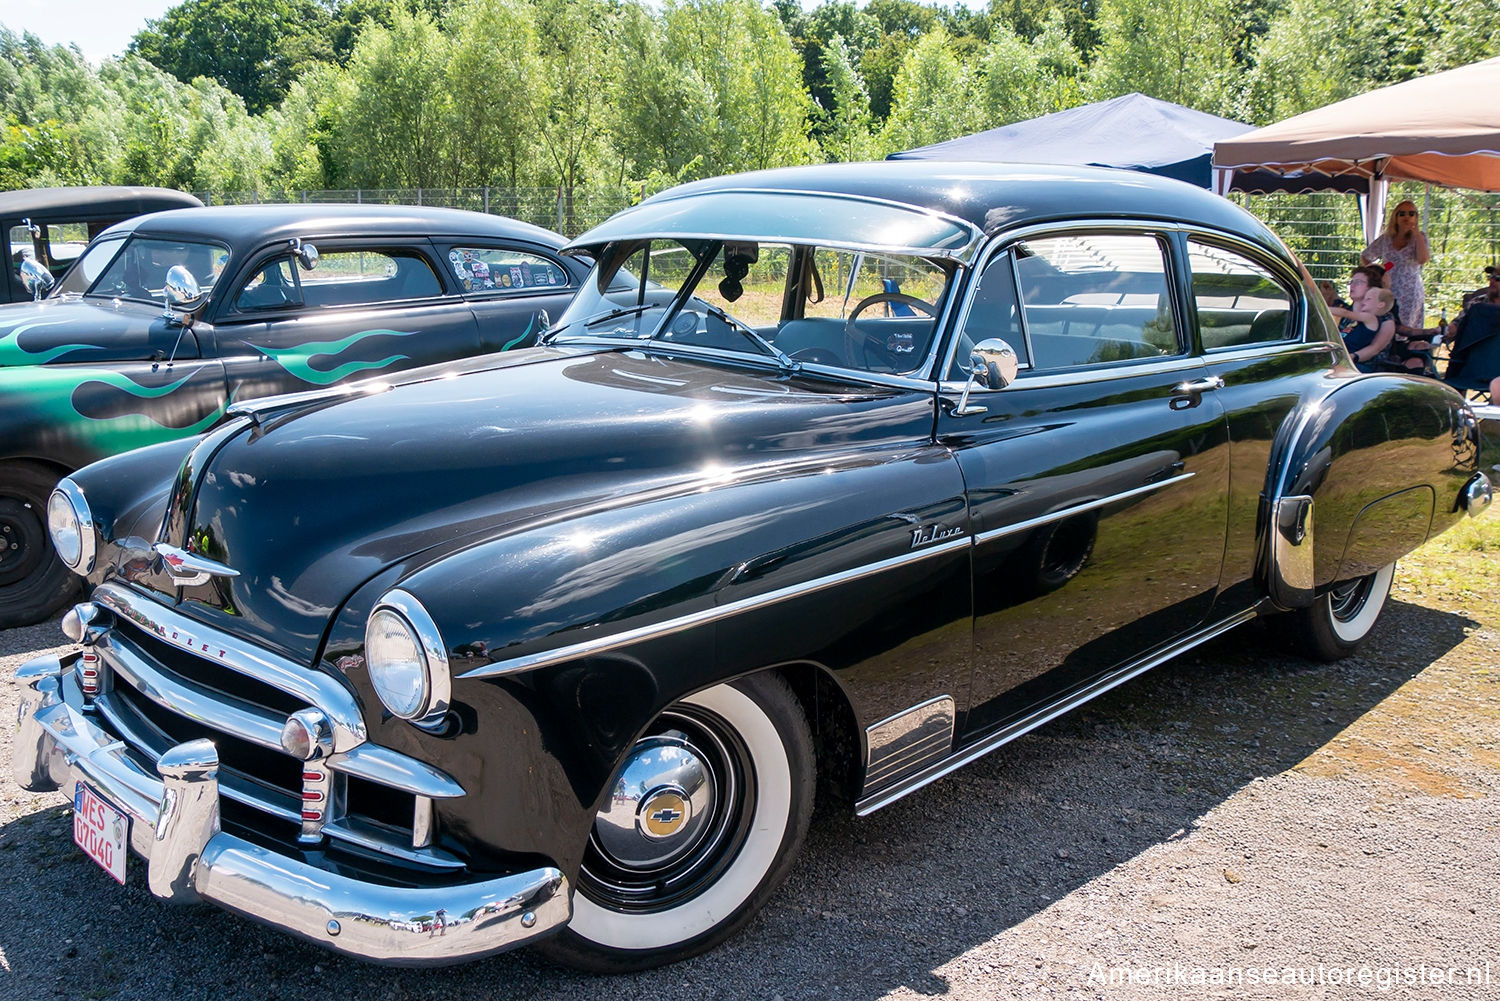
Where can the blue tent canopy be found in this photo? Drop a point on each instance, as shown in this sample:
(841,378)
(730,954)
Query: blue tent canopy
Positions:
(1134,132)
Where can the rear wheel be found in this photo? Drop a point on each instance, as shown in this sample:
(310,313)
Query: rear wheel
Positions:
(33,581)
(1334,625)
(703,823)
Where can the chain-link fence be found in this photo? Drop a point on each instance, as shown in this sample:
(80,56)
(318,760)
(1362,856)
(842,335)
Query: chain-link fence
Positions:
(567,213)
(1463,232)
(1463,227)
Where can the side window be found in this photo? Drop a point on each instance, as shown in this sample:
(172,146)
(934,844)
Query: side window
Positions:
(497,269)
(1091,299)
(368,278)
(1237,301)
(993,312)
(272,287)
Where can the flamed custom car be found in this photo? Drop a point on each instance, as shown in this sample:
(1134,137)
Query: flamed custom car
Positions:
(101,366)
(851,472)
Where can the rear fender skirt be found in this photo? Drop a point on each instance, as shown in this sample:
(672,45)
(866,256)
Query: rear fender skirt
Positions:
(1354,456)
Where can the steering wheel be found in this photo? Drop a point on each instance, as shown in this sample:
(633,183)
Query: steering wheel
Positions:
(855,341)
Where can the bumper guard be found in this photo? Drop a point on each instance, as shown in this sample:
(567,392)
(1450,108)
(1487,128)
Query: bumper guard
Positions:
(175,827)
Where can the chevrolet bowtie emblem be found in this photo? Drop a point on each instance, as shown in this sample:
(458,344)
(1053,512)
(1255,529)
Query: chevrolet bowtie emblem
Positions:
(188,569)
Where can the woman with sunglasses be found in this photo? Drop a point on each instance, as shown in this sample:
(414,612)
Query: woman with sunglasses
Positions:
(1403,248)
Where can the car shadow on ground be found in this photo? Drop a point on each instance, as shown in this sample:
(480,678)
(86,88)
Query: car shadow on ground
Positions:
(873,905)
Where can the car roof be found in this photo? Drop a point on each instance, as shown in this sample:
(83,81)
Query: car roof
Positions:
(45,204)
(988,196)
(241,225)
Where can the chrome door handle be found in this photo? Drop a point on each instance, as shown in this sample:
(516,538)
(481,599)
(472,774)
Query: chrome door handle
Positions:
(1186,395)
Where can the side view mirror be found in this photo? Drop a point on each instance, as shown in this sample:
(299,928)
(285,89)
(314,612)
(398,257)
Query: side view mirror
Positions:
(36,278)
(306,254)
(32,228)
(993,364)
(181,289)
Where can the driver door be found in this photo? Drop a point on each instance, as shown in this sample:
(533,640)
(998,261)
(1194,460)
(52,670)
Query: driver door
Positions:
(1097,483)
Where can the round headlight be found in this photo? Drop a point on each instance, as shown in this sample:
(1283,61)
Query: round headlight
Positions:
(407,662)
(69,526)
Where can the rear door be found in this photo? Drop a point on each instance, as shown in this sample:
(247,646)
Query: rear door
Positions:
(509,287)
(1097,480)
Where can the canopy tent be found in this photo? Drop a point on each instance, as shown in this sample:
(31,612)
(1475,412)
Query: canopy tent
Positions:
(1442,129)
(1134,132)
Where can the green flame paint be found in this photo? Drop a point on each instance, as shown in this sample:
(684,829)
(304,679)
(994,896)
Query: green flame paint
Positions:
(298,360)
(11,352)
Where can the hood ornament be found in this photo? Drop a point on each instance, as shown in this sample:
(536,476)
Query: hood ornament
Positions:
(188,569)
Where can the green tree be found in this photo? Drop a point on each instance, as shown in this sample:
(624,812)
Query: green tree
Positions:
(394,128)
(574,47)
(491,82)
(664,111)
(1021,80)
(846,128)
(933,96)
(1173,50)
(255,48)
(745,59)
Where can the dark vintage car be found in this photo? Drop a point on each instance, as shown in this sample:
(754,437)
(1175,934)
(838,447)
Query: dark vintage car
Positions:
(287,298)
(840,475)
(51,226)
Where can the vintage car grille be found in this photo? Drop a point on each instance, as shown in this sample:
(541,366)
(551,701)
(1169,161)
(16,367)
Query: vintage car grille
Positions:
(159,694)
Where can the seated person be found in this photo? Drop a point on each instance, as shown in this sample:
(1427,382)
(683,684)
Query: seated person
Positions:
(1361,280)
(1374,327)
(1492,280)
(1330,294)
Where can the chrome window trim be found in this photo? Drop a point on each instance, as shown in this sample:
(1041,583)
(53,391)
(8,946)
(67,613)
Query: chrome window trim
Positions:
(1003,241)
(1249,352)
(311,686)
(1035,379)
(1291,281)
(961,320)
(615,641)
(1068,512)
(1049,712)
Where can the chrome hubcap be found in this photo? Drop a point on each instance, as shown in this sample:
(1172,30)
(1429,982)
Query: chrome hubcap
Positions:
(660,806)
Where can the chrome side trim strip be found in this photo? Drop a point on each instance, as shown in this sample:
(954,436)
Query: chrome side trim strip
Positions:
(615,641)
(1068,512)
(308,684)
(1049,712)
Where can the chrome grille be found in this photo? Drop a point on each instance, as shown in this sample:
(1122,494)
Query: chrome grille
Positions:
(161,691)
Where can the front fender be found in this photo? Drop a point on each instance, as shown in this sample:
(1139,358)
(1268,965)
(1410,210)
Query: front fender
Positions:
(1361,477)
(567,638)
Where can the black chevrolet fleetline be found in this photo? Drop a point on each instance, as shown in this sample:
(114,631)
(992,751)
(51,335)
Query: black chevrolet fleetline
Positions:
(851,473)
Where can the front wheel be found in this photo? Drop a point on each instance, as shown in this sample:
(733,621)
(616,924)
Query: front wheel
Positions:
(702,824)
(1334,625)
(33,581)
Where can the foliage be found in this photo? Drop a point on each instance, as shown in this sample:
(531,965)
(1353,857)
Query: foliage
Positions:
(255,48)
(567,94)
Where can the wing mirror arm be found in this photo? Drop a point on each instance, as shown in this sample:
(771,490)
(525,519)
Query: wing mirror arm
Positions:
(992,365)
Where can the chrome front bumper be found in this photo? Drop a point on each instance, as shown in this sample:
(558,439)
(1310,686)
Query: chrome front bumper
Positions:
(174,826)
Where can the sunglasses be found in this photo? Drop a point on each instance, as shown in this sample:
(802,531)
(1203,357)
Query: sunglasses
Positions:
(1404,212)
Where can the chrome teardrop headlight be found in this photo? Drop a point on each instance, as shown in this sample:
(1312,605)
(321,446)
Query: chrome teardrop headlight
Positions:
(70,527)
(407,661)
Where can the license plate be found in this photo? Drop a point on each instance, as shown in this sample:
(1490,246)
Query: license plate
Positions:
(100,830)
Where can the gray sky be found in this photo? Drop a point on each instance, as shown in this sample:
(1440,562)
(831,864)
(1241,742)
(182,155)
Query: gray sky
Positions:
(100,28)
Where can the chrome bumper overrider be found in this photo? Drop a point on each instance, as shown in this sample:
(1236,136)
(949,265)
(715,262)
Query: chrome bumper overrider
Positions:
(174,826)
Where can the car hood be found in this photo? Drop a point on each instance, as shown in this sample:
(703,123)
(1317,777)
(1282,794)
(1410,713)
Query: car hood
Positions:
(315,500)
(88,330)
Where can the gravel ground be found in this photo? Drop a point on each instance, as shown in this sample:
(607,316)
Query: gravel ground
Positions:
(1236,813)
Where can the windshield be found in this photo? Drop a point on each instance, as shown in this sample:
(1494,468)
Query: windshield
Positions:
(140,270)
(94,260)
(794,303)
